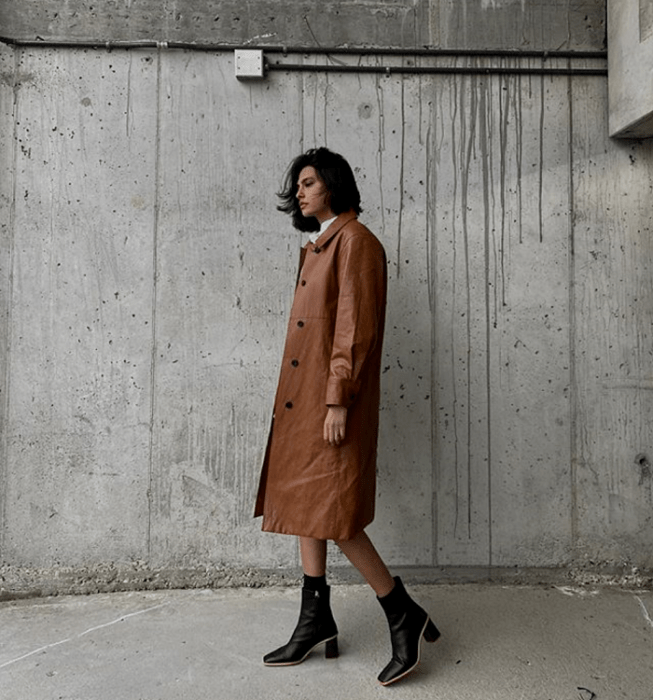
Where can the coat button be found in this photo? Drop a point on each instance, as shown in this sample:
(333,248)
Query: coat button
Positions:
(303,283)
(289,404)
(300,324)
(295,363)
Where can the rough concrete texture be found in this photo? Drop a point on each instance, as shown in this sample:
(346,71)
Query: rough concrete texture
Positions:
(17,583)
(498,644)
(630,61)
(507,24)
(146,276)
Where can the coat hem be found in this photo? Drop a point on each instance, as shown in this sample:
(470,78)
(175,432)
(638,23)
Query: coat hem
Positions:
(347,534)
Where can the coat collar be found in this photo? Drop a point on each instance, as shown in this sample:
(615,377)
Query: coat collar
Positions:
(335,226)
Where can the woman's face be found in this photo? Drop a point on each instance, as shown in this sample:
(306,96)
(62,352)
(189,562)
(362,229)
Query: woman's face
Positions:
(313,195)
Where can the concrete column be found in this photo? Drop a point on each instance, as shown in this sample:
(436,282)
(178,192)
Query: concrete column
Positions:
(630,66)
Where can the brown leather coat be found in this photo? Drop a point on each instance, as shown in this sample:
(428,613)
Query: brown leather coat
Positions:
(332,356)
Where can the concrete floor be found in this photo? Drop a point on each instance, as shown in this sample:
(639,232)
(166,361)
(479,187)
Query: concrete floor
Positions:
(498,643)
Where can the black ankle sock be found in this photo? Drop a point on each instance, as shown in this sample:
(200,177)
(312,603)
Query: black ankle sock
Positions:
(315,583)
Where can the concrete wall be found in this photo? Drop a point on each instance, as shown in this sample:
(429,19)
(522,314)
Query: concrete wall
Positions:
(146,277)
(509,24)
(631,68)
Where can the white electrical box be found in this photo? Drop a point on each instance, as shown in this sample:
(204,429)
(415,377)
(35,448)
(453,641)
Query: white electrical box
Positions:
(248,63)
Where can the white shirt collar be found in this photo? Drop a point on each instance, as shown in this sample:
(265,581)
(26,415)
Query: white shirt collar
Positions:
(323,227)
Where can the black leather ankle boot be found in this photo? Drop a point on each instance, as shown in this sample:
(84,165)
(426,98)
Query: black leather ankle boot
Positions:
(408,624)
(315,626)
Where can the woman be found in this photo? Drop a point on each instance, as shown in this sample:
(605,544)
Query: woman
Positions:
(318,476)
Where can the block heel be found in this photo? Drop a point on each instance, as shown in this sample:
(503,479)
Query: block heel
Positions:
(431,632)
(331,649)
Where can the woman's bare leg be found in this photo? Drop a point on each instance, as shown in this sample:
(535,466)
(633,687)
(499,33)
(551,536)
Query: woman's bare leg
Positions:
(313,554)
(361,553)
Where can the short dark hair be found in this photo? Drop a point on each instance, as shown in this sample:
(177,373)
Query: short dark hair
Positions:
(337,175)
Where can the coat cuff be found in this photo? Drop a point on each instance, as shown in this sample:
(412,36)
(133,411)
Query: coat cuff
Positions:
(340,392)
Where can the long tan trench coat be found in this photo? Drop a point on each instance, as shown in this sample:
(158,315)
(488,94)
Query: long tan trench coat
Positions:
(332,356)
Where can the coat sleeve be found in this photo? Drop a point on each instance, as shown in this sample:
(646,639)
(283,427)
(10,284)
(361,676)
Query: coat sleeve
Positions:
(359,317)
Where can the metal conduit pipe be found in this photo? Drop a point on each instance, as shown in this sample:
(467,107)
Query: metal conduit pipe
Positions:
(342,50)
(350,51)
(487,53)
(435,70)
